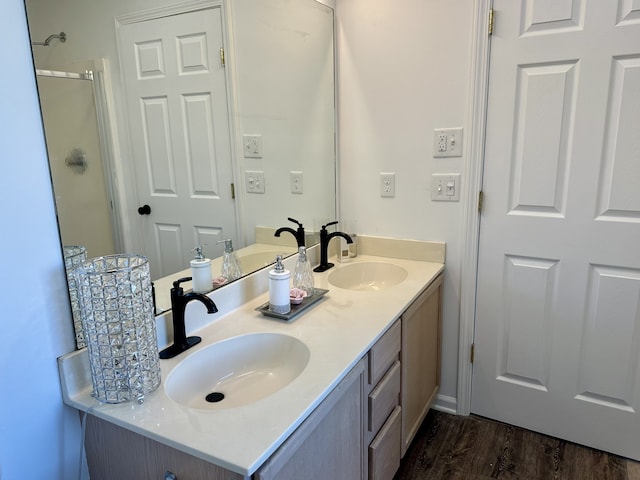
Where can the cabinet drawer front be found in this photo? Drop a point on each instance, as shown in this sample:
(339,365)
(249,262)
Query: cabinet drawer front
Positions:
(384,451)
(384,353)
(384,397)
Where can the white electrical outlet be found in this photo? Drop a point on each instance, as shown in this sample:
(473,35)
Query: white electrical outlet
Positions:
(387,184)
(447,142)
(295,179)
(252,146)
(254,180)
(445,187)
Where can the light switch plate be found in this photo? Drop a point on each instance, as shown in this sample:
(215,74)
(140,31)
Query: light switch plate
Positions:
(445,187)
(254,181)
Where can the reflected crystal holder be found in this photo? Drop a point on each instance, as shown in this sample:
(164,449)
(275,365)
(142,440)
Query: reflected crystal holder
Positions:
(118,321)
(74,255)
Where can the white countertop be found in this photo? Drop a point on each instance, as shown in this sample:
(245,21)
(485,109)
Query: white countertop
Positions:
(338,331)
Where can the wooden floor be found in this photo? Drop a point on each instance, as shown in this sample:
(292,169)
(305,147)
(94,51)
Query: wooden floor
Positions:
(470,448)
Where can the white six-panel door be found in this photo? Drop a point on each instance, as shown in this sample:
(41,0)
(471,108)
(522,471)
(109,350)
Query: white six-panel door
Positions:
(557,337)
(179,127)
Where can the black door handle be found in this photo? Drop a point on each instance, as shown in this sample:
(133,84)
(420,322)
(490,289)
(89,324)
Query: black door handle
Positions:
(144,210)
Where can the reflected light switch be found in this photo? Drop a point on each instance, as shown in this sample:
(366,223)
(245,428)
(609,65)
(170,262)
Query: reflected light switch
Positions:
(445,187)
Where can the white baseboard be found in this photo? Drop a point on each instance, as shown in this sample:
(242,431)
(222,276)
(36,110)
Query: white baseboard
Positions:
(445,404)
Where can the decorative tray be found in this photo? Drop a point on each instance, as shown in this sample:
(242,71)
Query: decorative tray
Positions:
(296,310)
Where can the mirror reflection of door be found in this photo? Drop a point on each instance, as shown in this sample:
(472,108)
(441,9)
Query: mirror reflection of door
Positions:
(180,137)
(77,170)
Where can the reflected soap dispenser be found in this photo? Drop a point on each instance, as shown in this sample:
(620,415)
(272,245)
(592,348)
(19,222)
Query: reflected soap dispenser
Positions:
(201,272)
(230,264)
(279,301)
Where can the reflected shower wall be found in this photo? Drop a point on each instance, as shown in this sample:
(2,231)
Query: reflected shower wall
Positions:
(82,197)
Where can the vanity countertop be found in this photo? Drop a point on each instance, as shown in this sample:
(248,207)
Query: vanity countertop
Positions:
(338,331)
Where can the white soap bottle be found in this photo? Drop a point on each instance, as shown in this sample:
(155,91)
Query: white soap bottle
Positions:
(279,301)
(201,272)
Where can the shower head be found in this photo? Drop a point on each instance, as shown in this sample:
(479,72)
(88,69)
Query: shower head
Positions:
(60,36)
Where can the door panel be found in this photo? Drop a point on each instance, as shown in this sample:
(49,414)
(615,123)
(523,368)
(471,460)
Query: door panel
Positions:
(558,302)
(177,102)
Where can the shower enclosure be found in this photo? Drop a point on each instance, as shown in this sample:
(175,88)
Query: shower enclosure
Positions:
(73,112)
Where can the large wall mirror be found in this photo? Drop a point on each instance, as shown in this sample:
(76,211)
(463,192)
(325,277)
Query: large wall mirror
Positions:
(197,122)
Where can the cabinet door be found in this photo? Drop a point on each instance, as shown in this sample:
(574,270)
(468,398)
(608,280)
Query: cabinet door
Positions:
(420,359)
(330,443)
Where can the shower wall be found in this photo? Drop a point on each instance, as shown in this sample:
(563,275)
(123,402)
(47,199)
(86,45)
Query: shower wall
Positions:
(82,203)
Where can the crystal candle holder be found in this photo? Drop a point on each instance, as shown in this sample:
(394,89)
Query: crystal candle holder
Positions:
(118,321)
(74,255)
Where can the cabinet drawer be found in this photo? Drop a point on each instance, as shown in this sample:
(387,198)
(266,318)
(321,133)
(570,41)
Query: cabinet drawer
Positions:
(384,451)
(384,397)
(384,353)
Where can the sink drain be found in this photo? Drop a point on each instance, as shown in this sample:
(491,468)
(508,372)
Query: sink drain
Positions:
(214,397)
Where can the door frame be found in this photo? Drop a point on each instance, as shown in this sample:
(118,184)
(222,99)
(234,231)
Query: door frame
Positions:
(131,234)
(478,99)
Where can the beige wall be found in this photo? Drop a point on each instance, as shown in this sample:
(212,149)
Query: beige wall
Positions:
(403,71)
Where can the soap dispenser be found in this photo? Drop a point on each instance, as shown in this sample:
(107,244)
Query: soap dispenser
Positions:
(303,274)
(279,301)
(230,264)
(201,272)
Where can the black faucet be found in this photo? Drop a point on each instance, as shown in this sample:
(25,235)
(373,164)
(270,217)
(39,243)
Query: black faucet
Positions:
(299,233)
(325,237)
(179,302)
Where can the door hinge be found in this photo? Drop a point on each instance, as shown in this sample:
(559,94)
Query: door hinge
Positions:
(473,352)
(222,56)
(491,21)
(480,200)
(233,191)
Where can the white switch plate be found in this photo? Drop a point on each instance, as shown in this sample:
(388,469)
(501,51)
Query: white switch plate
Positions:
(254,180)
(295,179)
(445,187)
(447,142)
(387,184)
(252,146)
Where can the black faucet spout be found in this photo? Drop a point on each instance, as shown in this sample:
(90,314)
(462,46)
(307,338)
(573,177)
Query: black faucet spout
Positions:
(298,234)
(179,301)
(325,237)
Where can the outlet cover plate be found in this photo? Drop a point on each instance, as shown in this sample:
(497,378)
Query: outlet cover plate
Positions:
(447,142)
(295,180)
(252,146)
(387,184)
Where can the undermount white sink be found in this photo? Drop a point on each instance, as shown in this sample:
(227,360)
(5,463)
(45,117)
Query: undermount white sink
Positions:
(241,369)
(367,276)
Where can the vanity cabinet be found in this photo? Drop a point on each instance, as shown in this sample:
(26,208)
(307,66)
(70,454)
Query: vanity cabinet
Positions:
(330,442)
(421,339)
(114,452)
(361,430)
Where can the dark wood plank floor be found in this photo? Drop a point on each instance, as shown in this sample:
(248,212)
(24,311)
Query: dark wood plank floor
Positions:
(470,448)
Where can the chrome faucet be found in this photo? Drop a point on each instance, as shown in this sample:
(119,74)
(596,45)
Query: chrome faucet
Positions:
(325,237)
(299,233)
(179,302)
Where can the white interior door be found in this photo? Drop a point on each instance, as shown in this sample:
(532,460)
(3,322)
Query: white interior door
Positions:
(179,126)
(557,336)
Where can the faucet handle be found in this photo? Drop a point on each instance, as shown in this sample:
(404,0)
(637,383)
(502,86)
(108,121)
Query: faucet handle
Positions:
(324,227)
(176,284)
(295,221)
